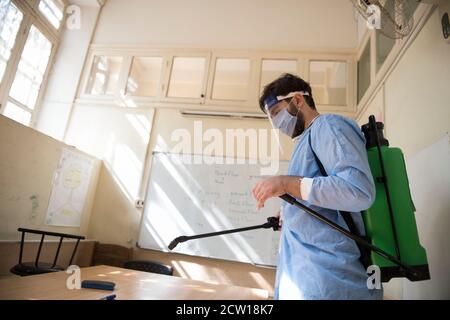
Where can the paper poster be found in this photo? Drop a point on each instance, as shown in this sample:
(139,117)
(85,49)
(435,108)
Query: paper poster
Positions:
(70,187)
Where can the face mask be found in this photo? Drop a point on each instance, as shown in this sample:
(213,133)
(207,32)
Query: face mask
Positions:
(285,122)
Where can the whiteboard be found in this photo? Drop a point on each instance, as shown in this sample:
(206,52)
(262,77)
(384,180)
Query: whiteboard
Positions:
(185,198)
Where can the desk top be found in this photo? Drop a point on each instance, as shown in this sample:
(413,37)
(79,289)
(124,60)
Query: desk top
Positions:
(130,285)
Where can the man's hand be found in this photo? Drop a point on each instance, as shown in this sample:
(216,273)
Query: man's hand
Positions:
(275,187)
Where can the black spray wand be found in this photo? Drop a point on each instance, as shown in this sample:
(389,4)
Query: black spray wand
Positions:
(272,222)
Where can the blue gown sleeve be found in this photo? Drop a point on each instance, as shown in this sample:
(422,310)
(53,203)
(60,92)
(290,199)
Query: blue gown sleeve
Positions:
(340,146)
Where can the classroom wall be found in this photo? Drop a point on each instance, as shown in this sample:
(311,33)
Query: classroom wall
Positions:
(120,137)
(28,160)
(417,115)
(115,219)
(417,83)
(164,123)
(417,95)
(231,24)
(60,92)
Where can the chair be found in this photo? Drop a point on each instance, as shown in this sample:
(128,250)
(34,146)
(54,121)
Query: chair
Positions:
(149,266)
(36,267)
(110,255)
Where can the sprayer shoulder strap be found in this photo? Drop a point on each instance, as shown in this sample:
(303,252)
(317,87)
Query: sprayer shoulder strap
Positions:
(345,214)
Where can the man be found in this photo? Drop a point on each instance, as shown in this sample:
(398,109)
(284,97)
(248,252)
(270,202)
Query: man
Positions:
(316,261)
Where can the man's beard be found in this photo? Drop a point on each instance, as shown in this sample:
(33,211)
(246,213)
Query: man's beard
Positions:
(299,125)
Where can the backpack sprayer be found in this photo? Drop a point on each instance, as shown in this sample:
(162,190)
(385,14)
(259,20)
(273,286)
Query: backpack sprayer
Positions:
(391,241)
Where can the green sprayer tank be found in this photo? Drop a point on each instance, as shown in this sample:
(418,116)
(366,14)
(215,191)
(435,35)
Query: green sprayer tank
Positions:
(390,222)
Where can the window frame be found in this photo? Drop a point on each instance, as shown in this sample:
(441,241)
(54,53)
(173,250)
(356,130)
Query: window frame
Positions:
(285,57)
(377,76)
(300,57)
(123,77)
(351,91)
(367,39)
(30,18)
(159,94)
(116,91)
(251,104)
(251,77)
(58,31)
(168,71)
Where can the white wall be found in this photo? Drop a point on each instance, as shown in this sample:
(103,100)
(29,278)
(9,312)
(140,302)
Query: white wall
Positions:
(417,115)
(417,92)
(430,191)
(118,136)
(113,134)
(414,104)
(237,24)
(60,92)
(28,160)
(123,138)
(362,27)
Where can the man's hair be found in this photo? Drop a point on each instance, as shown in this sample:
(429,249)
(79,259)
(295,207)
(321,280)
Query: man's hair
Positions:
(285,84)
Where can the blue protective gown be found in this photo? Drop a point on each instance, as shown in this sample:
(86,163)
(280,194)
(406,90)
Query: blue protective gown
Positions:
(316,261)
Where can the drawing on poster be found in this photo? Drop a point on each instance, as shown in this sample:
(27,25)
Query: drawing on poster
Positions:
(70,186)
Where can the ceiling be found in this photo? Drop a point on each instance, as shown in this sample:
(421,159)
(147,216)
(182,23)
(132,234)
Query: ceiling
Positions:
(251,24)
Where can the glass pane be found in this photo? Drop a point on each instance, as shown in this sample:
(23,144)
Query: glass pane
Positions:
(16,113)
(364,72)
(144,76)
(231,79)
(31,70)
(186,78)
(10,19)
(104,76)
(53,11)
(272,69)
(328,80)
(409,7)
(384,47)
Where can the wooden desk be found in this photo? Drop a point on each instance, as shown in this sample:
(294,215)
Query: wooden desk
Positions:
(130,285)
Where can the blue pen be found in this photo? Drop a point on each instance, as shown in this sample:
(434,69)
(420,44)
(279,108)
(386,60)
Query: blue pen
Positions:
(110,297)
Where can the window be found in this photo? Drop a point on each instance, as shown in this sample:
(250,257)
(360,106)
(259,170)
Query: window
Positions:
(13,111)
(145,75)
(26,47)
(31,70)
(231,79)
(52,11)
(364,72)
(187,77)
(410,7)
(328,81)
(10,19)
(104,76)
(272,69)
(28,79)
(384,46)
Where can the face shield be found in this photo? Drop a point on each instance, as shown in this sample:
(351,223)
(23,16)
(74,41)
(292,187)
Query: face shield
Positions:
(278,113)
